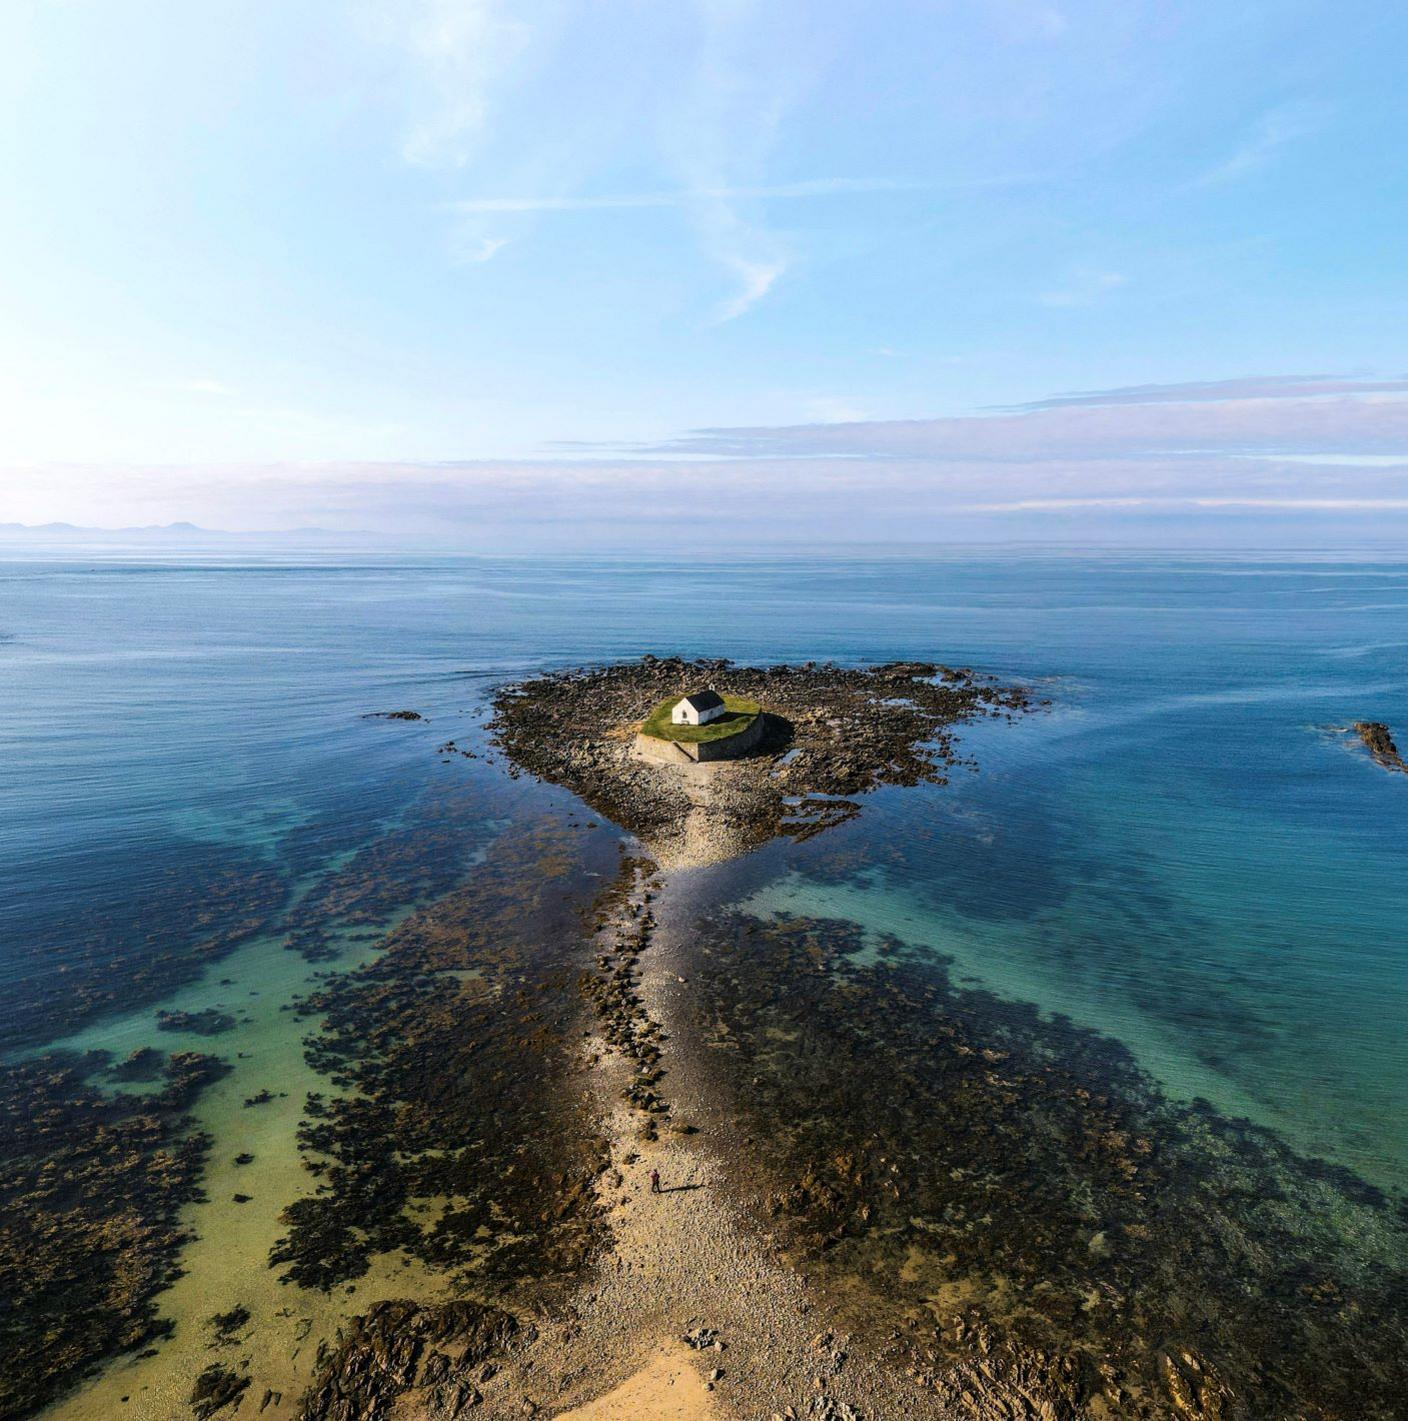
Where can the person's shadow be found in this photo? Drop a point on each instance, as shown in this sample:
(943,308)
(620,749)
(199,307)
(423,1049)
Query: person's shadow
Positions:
(679,1188)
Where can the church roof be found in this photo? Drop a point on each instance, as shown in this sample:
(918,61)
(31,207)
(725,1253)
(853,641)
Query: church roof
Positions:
(704,700)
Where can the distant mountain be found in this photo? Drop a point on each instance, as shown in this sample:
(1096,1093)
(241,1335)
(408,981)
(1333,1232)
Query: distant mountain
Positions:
(168,532)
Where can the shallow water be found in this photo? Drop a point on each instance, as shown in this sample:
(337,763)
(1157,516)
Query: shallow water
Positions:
(1182,852)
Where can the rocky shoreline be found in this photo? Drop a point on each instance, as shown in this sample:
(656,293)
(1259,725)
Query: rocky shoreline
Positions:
(832,734)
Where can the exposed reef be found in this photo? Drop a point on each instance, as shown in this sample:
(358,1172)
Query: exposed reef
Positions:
(413,1360)
(455,1041)
(1012,1208)
(832,733)
(1375,734)
(91,1190)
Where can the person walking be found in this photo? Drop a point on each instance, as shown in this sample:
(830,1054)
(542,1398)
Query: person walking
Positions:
(655,1181)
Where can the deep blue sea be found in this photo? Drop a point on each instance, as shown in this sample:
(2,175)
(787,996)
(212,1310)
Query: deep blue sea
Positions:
(1185,850)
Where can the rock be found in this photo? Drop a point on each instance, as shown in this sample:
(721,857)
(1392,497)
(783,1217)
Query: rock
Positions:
(402,1347)
(216,1388)
(1375,734)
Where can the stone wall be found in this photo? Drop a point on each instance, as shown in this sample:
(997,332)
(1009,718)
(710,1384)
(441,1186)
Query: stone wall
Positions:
(677,752)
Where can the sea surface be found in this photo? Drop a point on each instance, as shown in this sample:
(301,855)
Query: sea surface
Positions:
(1184,850)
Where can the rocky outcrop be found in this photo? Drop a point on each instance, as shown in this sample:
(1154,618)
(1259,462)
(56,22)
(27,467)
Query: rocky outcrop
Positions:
(1375,734)
(442,1354)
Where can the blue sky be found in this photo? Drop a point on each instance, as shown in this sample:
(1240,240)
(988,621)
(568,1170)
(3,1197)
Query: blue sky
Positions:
(444,264)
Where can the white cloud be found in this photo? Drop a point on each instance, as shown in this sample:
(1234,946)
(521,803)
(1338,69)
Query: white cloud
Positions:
(1249,387)
(464,52)
(1371,418)
(756,279)
(472,249)
(684,197)
(1271,132)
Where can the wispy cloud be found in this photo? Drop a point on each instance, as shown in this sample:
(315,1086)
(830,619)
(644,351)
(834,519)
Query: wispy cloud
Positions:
(756,279)
(720,134)
(1312,416)
(1083,288)
(465,51)
(1271,132)
(685,197)
(473,249)
(1251,387)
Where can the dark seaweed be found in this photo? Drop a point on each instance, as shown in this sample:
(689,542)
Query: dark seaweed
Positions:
(217,1387)
(460,1082)
(209,1022)
(197,905)
(91,1190)
(997,1184)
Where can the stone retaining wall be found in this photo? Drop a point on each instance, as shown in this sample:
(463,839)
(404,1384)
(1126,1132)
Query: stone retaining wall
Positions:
(677,752)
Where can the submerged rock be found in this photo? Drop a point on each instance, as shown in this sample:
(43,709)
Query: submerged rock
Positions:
(209,1022)
(217,1387)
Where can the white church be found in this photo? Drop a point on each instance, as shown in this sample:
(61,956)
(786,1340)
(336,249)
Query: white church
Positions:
(698,709)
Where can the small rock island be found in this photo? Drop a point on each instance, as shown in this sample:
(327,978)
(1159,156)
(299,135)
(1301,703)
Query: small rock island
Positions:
(733,755)
(1379,740)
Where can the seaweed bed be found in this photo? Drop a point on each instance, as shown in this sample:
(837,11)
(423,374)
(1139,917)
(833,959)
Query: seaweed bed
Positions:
(92,1185)
(202,902)
(411,861)
(1007,1201)
(456,1040)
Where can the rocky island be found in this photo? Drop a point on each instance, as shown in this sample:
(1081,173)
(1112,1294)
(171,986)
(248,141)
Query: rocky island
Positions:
(819,736)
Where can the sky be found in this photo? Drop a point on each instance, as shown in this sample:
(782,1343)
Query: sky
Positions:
(495,272)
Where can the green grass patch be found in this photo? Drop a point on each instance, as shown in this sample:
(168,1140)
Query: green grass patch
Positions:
(738,715)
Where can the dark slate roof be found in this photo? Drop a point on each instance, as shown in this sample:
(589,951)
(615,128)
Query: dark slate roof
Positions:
(705,700)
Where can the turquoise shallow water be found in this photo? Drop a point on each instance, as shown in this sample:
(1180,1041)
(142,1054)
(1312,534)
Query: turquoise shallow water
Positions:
(1183,851)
